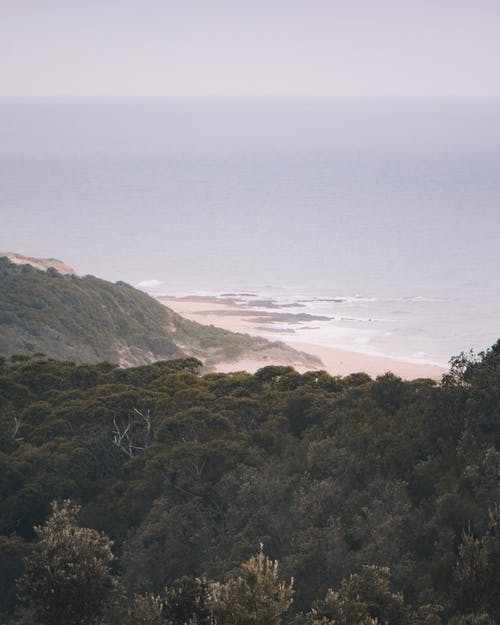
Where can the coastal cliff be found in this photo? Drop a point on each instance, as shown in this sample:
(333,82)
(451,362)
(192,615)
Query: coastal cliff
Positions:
(45,307)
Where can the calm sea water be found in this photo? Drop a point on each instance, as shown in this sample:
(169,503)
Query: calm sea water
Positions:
(383,217)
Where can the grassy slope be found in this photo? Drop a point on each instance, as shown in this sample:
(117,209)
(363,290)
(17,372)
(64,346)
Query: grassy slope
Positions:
(89,320)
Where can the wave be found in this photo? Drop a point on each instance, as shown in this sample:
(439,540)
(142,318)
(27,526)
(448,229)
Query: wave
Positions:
(414,328)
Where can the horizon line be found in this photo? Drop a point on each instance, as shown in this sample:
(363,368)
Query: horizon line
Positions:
(244,98)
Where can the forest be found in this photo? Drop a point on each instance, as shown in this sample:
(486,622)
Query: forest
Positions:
(162,495)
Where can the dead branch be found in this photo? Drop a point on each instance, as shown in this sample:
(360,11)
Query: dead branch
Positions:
(17,425)
(146,417)
(122,438)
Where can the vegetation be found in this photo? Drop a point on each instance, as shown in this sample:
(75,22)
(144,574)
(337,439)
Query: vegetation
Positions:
(380,498)
(67,577)
(88,320)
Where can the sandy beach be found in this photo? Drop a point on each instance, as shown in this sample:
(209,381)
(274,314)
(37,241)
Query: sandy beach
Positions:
(231,316)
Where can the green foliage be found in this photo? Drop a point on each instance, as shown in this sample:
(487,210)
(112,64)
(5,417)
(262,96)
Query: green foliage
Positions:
(343,479)
(256,597)
(478,570)
(187,601)
(148,609)
(67,578)
(88,320)
(83,319)
(13,551)
(364,597)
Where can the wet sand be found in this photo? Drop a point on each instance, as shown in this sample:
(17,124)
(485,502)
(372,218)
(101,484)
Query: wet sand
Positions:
(228,315)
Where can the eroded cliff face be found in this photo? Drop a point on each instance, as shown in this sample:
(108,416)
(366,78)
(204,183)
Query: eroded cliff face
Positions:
(42,264)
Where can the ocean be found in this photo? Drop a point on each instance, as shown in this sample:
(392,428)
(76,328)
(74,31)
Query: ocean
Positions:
(380,219)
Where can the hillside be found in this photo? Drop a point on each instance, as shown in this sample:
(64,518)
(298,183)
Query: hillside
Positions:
(88,320)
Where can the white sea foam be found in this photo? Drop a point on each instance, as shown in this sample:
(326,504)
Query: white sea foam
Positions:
(365,324)
(148,285)
(398,334)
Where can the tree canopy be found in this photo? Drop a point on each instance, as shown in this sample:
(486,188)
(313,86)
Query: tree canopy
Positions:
(378,497)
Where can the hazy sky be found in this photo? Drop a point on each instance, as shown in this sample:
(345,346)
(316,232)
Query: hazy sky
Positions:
(257,48)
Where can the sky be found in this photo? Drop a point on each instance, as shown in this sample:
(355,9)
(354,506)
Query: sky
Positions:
(260,49)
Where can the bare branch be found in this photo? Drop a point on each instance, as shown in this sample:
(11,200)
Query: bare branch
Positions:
(147,420)
(17,425)
(122,439)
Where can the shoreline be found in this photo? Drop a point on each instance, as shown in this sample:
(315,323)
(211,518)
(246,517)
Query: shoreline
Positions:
(229,315)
